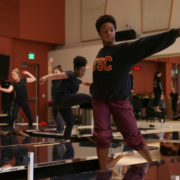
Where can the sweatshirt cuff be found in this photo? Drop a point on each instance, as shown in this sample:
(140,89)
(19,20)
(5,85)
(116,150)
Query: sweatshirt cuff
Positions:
(177,32)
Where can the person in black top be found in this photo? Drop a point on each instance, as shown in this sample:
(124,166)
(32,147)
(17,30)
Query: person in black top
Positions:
(66,95)
(111,88)
(174,101)
(157,87)
(7,99)
(55,86)
(21,99)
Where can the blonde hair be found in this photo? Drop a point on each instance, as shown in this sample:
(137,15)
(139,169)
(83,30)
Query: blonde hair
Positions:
(17,71)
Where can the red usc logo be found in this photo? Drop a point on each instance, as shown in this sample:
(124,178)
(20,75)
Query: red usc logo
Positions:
(101,64)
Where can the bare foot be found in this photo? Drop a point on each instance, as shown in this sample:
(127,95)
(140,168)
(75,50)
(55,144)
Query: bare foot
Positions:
(116,175)
(113,161)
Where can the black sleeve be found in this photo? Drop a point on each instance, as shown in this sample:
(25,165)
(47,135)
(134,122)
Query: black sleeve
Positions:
(70,74)
(155,83)
(79,81)
(132,82)
(24,80)
(147,46)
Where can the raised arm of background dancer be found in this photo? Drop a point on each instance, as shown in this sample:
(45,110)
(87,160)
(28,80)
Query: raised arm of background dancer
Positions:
(147,46)
(53,76)
(7,90)
(30,78)
(50,60)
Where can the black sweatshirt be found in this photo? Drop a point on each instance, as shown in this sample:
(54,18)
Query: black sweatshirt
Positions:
(21,90)
(157,85)
(69,85)
(113,63)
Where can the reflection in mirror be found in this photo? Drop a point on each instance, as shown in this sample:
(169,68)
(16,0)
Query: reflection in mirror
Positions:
(170,148)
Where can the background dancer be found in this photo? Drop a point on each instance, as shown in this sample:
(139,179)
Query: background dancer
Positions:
(174,102)
(157,87)
(55,86)
(110,88)
(67,95)
(21,99)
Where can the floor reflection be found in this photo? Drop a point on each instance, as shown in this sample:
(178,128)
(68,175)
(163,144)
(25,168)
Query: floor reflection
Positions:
(14,156)
(55,160)
(63,151)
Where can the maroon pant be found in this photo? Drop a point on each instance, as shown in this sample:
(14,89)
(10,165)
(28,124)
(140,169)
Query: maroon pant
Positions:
(124,119)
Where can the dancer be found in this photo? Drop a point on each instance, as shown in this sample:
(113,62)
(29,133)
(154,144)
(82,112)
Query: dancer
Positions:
(55,85)
(174,102)
(21,99)
(67,95)
(157,86)
(110,88)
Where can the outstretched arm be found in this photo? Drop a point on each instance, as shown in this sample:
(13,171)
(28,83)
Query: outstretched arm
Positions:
(7,90)
(50,60)
(55,76)
(30,78)
(147,46)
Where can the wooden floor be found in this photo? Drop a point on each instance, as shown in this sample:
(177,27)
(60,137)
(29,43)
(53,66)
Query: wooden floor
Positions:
(82,151)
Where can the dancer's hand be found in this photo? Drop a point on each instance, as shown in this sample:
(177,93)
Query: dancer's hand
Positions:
(43,79)
(51,59)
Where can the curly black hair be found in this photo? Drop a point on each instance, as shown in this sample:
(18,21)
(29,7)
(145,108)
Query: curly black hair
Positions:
(58,67)
(79,61)
(156,73)
(105,19)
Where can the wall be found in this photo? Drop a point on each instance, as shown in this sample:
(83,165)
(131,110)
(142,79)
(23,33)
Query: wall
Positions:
(9,18)
(72,21)
(42,20)
(125,11)
(143,79)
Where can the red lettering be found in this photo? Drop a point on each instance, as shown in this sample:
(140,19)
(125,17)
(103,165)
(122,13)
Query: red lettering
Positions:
(101,64)
(107,68)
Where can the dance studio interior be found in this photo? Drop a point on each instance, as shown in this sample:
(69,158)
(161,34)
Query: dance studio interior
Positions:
(73,105)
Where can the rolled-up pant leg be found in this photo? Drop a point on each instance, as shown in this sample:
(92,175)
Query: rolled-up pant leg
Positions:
(126,123)
(102,129)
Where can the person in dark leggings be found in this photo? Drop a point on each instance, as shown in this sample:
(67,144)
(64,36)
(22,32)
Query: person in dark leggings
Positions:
(55,85)
(174,102)
(21,100)
(157,87)
(67,95)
